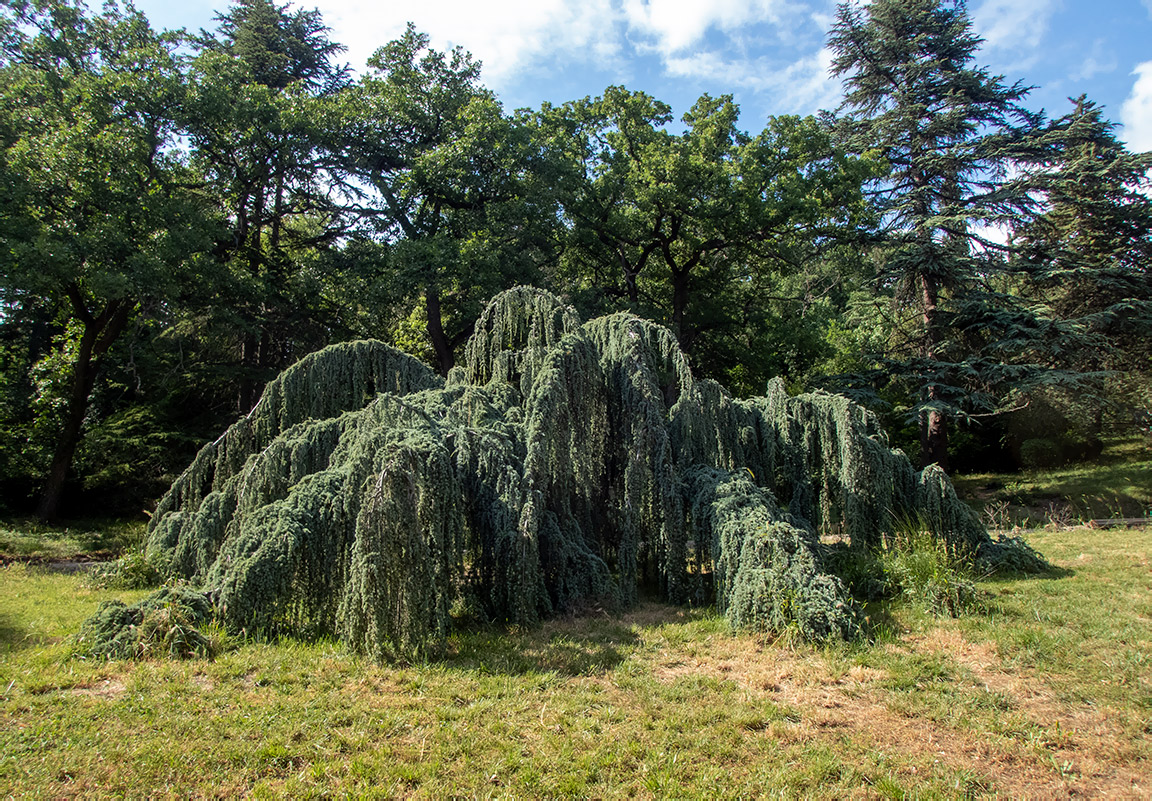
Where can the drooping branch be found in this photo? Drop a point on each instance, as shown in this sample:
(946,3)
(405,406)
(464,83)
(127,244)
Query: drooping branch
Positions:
(561,467)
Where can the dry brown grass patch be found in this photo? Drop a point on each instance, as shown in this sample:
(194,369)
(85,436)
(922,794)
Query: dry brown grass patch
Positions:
(107,688)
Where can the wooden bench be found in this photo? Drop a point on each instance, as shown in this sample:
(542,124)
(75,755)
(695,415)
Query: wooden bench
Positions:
(1116,522)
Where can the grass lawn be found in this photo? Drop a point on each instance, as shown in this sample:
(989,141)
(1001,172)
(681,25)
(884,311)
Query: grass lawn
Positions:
(1117,484)
(29,540)
(1048,694)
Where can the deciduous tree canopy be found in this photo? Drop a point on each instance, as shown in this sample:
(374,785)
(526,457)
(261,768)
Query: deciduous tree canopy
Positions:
(184,216)
(97,217)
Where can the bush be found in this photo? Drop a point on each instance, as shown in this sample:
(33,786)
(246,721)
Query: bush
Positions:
(170,631)
(859,567)
(131,572)
(1040,453)
(166,623)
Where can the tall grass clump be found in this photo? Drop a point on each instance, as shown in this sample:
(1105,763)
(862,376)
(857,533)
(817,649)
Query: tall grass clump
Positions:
(132,571)
(928,571)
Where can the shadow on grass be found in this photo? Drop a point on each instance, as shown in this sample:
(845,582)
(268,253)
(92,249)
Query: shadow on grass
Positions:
(24,538)
(583,645)
(1007,576)
(882,621)
(1112,488)
(13,637)
(880,624)
(582,650)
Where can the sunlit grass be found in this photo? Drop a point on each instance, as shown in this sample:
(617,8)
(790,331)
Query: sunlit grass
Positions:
(1044,693)
(1118,485)
(24,538)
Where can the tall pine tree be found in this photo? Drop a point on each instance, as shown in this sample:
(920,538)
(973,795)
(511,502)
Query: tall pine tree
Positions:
(1090,252)
(260,125)
(956,139)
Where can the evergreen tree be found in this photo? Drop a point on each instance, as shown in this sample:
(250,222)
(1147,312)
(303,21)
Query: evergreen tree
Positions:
(1089,254)
(561,466)
(279,48)
(954,137)
(261,123)
(1091,249)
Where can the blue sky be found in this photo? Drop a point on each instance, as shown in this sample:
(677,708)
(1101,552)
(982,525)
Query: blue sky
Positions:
(770,54)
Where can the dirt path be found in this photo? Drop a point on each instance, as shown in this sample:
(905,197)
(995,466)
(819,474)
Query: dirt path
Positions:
(60,564)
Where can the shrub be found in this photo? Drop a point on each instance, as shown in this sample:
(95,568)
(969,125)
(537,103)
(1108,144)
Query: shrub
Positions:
(171,631)
(860,568)
(166,623)
(929,572)
(1040,453)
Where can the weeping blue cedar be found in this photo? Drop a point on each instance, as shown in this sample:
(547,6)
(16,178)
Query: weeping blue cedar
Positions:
(645,374)
(512,338)
(321,387)
(560,467)
(767,571)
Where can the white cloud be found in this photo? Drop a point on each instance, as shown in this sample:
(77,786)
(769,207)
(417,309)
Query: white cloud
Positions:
(1014,26)
(805,86)
(1100,60)
(801,87)
(676,25)
(768,48)
(720,40)
(1093,66)
(511,36)
(507,36)
(1136,113)
(1148,5)
(724,42)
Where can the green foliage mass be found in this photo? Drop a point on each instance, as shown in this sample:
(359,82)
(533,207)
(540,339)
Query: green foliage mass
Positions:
(560,467)
(130,572)
(165,623)
(185,214)
(768,573)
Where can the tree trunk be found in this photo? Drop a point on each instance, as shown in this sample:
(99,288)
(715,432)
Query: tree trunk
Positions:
(679,306)
(99,334)
(445,358)
(631,290)
(933,437)
(251,358)
(249,365)
(933,423)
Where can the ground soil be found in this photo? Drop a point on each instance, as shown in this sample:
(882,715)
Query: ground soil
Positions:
(1090,757)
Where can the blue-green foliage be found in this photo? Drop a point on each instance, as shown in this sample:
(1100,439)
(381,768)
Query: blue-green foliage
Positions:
(767,572)
(166,623)
(560,467)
